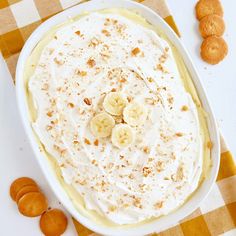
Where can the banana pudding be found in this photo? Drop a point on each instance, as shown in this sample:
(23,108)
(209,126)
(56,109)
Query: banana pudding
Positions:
(114,109)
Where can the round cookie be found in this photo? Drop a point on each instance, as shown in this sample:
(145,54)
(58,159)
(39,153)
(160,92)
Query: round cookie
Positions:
(26,189)
(18,184)
(53,222)
(212,25)
(214,49)
(32,204)
(208,7)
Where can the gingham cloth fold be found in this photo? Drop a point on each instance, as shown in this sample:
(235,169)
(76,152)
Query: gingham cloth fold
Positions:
(217,214)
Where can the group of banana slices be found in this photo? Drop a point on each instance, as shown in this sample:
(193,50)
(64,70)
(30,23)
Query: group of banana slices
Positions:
(116,105)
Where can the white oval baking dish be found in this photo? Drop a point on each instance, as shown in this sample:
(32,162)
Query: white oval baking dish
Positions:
(200,194)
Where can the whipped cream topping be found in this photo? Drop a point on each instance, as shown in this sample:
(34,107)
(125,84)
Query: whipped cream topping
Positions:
(83,62)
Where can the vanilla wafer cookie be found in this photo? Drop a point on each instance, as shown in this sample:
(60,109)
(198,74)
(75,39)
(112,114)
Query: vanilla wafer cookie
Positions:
(214,49)
(212,25)
(208,7)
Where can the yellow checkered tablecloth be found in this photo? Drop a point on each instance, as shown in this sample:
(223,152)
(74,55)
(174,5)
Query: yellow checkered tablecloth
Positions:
(217,214)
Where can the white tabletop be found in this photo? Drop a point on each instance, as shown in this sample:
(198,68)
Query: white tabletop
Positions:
(218,80)
(16,156)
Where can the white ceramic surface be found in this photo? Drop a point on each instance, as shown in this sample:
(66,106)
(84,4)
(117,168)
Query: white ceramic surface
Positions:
(199,195)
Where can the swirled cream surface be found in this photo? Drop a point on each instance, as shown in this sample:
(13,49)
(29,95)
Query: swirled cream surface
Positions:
(88,59)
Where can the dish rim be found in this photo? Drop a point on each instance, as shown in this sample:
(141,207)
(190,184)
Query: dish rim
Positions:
(199,195)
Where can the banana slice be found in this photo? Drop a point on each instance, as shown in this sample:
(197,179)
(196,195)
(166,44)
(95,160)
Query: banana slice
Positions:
(122,135)
(114,103)
(135,114)
(101,125)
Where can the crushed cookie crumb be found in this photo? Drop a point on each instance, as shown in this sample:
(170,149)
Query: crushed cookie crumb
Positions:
(151,101)
(88,101)
(87,141)
(78,32)
(162,58)
(81,73)
(137,202)
(161,68)
(179,134)
(209,145)
(179,175)
(48,127)
(45,87)
(112,208)
(120,28)
(59,89)
(150,79)
(105,55)
(165,138)
(142,186)
(159,166)
(91,62)
(83,182)
(58,149)
(184,108)
(50,113)
(93,161)
(135,51)
(96,142)
(146,171)
(106,32)
(173,156)
(71,105)
(54,122)
(58,61)
(170,100)
(129,98)
(123,80)
(97,70)
(131,176)
(158,205)
(94,42)
(146,149)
